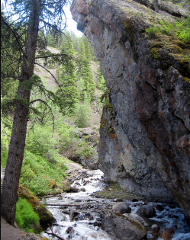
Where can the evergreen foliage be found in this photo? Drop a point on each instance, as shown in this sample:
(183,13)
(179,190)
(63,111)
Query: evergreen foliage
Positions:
(68,93)
(101,81)
(86,84)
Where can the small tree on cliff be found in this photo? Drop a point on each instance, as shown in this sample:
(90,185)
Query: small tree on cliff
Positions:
(31,14)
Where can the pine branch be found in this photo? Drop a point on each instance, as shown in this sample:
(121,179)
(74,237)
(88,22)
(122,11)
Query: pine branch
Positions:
(45,103)
(14,34)
(52,55)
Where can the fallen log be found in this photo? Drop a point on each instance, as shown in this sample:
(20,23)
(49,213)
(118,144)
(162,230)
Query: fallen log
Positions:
(49,196)
(55,235)
(63,205)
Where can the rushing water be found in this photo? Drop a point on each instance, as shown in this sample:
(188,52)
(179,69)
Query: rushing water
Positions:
(84,228)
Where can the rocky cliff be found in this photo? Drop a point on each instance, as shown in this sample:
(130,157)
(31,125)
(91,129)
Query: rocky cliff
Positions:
(145,125)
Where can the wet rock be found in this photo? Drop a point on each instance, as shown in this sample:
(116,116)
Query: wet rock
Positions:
(146,211)
(118,200)
(66,186)
(72,214)
(135,200)
(155,228)
(89,216)
(74,189)
(96,223)
(167,235)
(83,189)
(66,211)
(80,217)
(121,208)
(118,227)
(70,230)
(159,207)
(136,218)
(151,236)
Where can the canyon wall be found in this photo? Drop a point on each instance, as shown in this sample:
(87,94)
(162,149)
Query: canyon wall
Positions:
(145,125)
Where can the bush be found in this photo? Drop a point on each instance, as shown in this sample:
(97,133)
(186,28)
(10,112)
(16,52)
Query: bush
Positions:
(153,32)
(82,114)
(41,142)
(37,173)
(67,135)
(26,217)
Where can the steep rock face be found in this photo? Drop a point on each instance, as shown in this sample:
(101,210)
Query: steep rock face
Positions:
(145,125)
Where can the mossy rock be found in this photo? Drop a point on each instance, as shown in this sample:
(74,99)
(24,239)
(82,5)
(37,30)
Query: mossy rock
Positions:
(46,217)
(66,187)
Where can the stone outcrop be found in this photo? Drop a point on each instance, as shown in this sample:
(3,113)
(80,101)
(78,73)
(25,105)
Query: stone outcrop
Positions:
(145,125)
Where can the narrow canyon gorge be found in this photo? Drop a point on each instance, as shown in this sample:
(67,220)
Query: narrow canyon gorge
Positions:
(145,125)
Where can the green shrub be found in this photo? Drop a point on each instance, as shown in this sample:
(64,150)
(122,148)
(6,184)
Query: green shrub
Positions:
(37,173)
(26,217)
(40,141)
(82,114)
(66,136)
(153,32)
(85,150)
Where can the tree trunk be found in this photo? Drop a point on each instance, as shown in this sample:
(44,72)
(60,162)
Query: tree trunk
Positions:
(156,6)
(16,149)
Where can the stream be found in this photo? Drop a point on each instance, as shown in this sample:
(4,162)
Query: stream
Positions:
(83,219)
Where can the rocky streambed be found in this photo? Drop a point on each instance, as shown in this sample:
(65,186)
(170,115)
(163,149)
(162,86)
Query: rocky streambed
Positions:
(84,215)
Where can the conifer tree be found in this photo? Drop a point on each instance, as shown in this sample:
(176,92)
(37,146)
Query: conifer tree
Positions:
(69,95)
(101,81)
(31,13)
(86,82)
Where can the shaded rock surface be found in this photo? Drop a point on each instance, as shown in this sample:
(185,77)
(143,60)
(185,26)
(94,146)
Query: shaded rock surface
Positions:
(145,127)
(120,228)
(146,211)
(121,208)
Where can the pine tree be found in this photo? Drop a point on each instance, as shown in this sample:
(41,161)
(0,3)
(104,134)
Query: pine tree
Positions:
(69,95)
(86,82)
(101,81)
(31,13)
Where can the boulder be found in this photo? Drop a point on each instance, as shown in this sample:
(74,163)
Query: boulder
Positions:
(121,208)
(146,211)
(119,228)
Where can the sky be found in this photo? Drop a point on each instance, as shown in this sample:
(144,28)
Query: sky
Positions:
(72,25)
